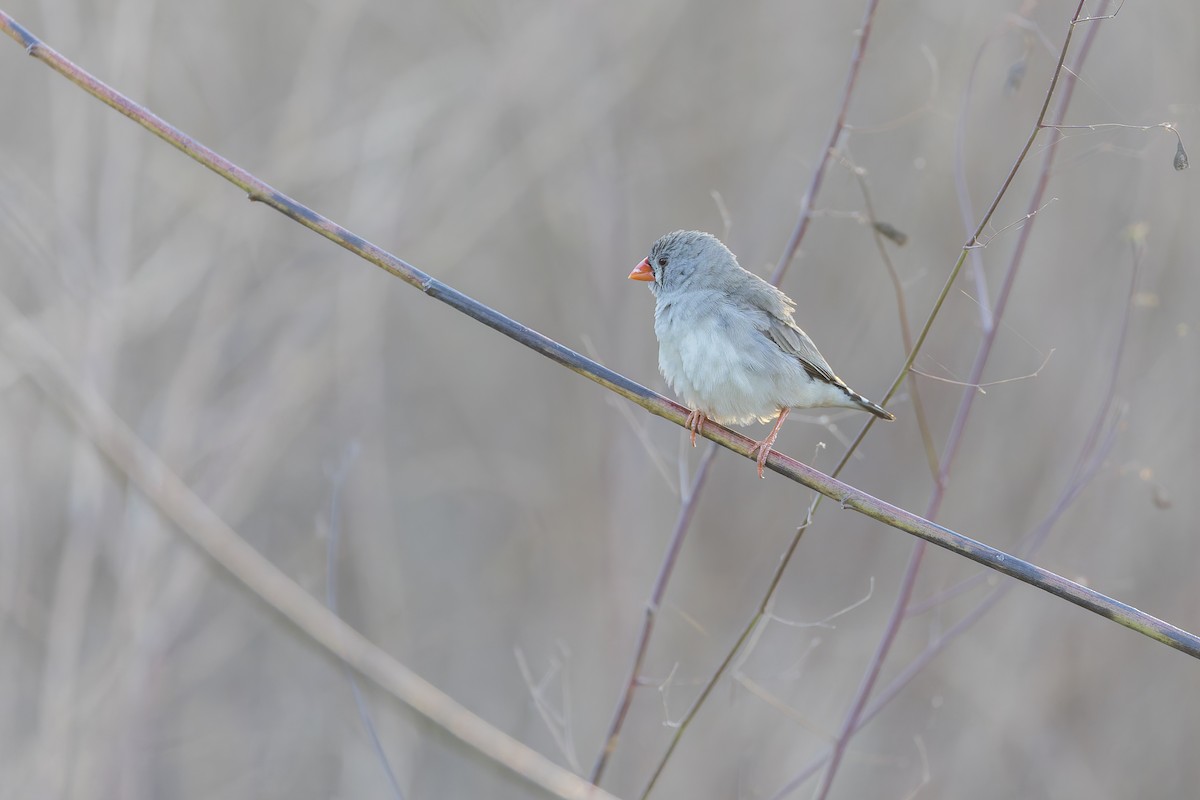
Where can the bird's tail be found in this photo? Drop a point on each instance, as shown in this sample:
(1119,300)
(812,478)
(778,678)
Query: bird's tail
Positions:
(867,405)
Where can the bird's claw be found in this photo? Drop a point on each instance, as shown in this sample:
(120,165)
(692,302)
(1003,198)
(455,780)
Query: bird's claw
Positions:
(695,423)
(763,449)
(763,454)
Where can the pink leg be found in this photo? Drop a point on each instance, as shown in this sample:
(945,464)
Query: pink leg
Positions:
(763,448)
(695,423)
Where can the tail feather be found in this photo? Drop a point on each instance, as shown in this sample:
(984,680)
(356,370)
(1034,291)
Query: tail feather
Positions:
(867,405)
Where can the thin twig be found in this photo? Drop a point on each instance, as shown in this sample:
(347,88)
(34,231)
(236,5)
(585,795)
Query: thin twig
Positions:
(901,376)
(558,723)
(965,208)
(176,500)
(682,522)
(826,622)
(985,241)
(930,103)
(789,253)
(332,546)
(835,134)
(931,651)
(954,437)
(906,339)
(935,647)
(979,387)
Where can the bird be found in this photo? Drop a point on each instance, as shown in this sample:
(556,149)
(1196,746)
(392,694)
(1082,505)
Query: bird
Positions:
(728,343)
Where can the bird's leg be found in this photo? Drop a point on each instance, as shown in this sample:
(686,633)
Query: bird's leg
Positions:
(763,448)
(695,423)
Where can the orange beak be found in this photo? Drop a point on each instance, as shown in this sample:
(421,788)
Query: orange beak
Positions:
(642,271)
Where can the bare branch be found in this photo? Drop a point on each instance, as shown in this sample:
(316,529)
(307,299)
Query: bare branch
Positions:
(557,721)
(954,437)
(835,135)
(686,511)
(332,547)
(264,580)
(981,386)
(827,621)
(984,242)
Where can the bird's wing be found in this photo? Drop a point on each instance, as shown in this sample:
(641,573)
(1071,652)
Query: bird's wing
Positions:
(771,310)
(795,342)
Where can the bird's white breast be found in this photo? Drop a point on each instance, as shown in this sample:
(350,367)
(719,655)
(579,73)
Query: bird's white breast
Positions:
(715,361)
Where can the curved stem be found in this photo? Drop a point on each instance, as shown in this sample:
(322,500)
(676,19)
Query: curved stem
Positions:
(954,438)
(682,522)
(835,133)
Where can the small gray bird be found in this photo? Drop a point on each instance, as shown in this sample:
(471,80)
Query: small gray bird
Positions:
(727,343)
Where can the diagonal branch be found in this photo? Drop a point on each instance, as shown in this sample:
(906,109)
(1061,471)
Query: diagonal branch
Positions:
(847,496)
(177,502)
(839,127)
(1097,443)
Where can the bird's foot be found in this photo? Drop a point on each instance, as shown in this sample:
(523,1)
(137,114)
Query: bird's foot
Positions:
(763,449)
(695,423)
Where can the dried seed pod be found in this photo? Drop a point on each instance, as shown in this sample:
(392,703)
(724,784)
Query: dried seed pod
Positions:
(889,230)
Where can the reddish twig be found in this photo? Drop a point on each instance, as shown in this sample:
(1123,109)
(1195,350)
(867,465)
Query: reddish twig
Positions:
(902,312)
(839,126)
(682,523)
(954,438)
(684,519)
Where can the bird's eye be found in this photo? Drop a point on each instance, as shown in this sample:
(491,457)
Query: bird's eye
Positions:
(662,261)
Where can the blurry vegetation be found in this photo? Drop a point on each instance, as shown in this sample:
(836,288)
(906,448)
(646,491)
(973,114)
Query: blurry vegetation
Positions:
(504,519)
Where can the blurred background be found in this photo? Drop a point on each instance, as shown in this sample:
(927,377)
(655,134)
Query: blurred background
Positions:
(500,520)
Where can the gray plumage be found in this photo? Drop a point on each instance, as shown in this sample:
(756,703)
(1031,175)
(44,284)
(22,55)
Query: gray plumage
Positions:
(728,345)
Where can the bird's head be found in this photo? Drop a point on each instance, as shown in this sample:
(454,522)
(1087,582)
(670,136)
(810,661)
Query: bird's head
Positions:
(684,259)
